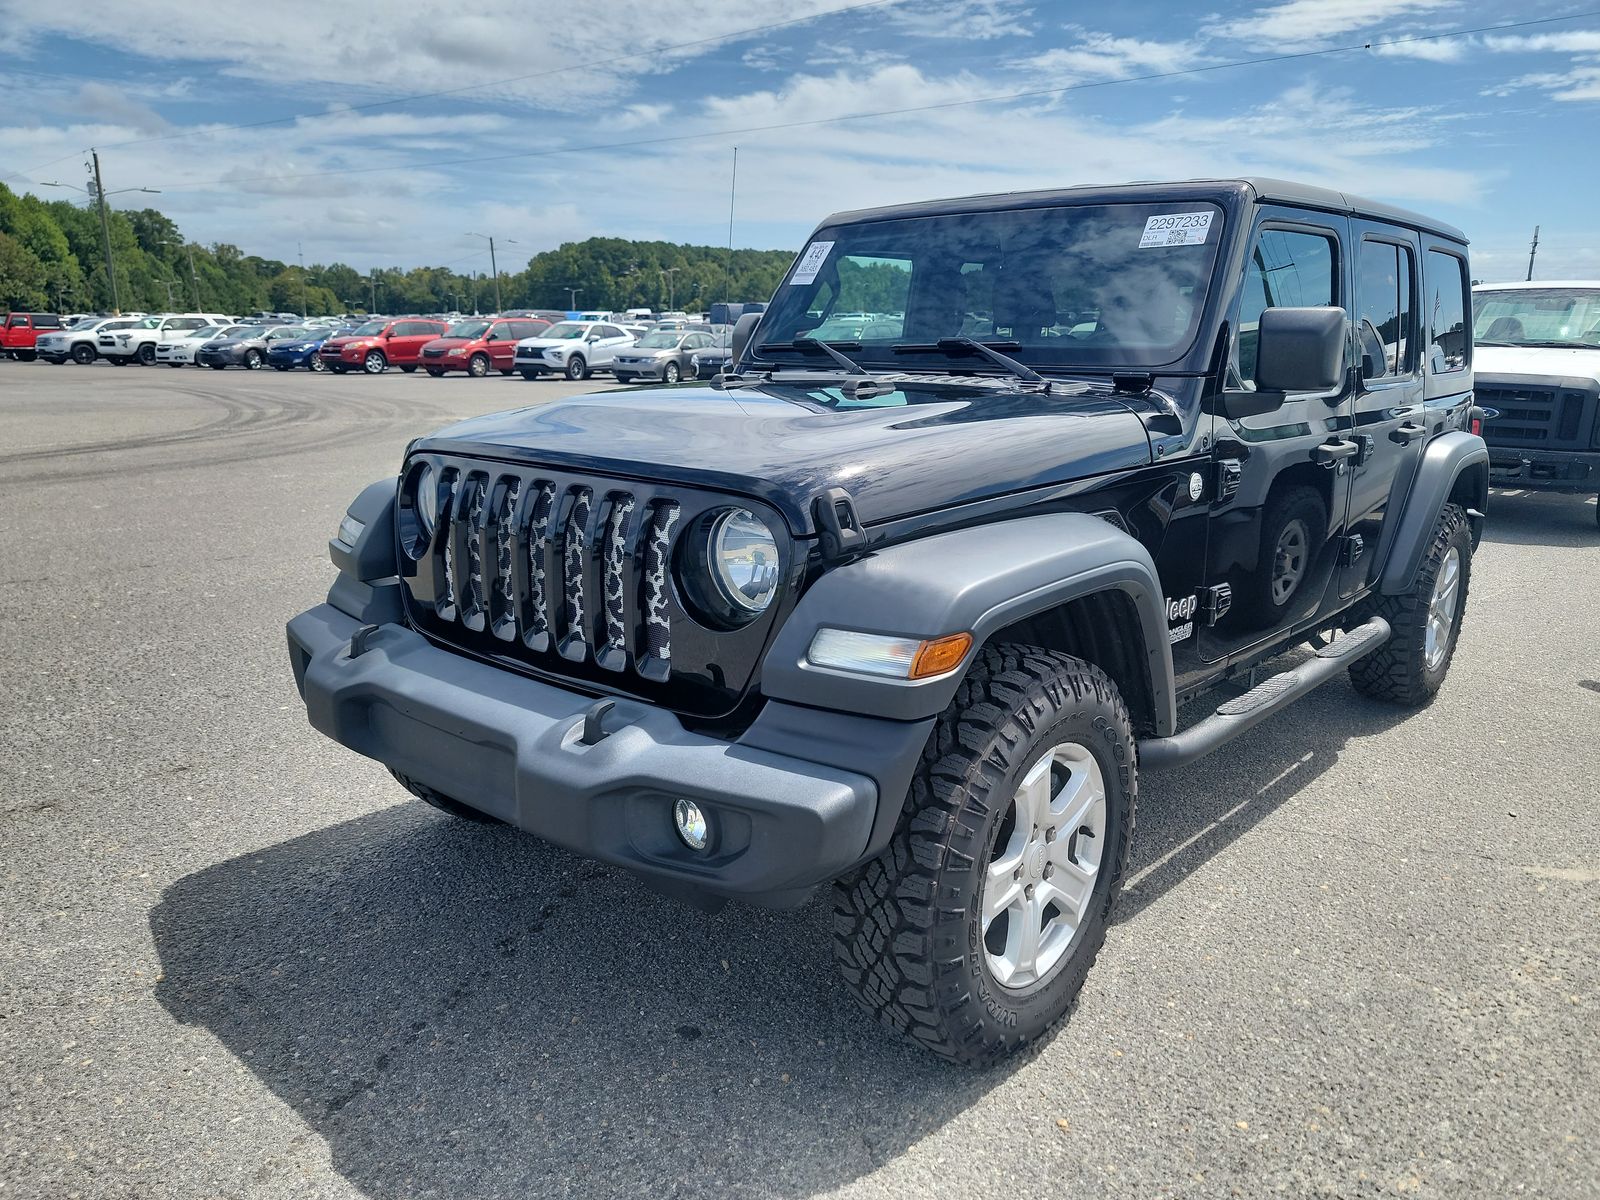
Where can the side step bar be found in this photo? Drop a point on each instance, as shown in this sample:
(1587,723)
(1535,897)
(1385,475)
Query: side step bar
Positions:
(1262,701)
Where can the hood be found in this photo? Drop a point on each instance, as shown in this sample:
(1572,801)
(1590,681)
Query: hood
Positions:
(1546,361)
(776,443)
(449,343)
(539,343)
(338,343)
(302,344)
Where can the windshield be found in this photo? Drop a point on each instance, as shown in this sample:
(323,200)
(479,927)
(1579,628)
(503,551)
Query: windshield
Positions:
(468,329)
(662,340)
(564,332)
(1112,284)
(1536,316)
(370,329)
(149,323)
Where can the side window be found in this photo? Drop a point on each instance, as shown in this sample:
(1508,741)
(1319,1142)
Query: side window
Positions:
(609,331)
(1289,268)
(1444,304)
(406,328)
(1384,317)
(47,322)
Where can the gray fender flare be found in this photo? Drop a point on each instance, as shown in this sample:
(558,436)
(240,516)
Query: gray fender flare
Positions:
(1446,459)
(974,580)
(372,556)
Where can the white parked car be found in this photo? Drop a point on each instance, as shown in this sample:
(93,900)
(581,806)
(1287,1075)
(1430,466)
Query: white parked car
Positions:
(138,343)
(77,344)
(177,349)
(575,349)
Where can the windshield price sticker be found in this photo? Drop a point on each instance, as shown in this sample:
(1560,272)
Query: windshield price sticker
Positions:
(1176,229)
(811,262)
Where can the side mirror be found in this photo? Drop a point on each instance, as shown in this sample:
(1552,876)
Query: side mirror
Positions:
(743,330)
(1300,349)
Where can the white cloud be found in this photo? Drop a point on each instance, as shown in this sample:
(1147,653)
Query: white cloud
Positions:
(101,101)
(1101,56)
(1297,23)
(969,20)
(1438,50)
(1571,41)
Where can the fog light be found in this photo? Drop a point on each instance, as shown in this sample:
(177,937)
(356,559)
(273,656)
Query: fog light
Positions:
(692,825)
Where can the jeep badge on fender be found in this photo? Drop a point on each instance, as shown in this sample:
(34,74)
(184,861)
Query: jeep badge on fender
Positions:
(904,603)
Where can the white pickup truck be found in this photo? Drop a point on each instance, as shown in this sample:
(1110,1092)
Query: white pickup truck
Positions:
(138,342)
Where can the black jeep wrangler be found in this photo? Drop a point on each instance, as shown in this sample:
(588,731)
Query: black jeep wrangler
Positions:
(907,598)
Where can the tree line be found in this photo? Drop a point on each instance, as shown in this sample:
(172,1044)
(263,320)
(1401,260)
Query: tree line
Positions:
(52,259)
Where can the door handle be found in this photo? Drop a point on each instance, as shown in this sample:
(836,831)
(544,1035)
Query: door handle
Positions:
(1407,433)
(1331,454)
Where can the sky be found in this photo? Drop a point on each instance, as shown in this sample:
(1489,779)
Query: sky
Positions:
(620,119)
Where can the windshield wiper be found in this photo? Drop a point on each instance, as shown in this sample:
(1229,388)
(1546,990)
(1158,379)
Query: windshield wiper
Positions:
(830,349)
(1560,344)
(989,350)
(1486,342)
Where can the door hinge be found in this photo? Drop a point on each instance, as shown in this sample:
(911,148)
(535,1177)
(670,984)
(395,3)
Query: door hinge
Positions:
(1230,473)
(1352,550)
(1367,444)
(1215,601)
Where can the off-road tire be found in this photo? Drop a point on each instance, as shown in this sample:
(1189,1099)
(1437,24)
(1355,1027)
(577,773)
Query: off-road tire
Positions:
(443,803)
(907,931)
(577,368)
(1302,504)
(1398,670)
(83,354)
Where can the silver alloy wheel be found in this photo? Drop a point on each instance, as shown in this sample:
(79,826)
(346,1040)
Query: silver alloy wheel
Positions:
(1442,609)
(375,363)
(1039,883)
(670,373)
(252,360)
(315,362)
(1289,560)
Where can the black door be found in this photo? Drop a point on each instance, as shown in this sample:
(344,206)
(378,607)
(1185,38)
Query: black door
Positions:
(1278,523)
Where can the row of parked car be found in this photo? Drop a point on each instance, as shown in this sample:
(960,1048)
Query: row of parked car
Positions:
(662,350)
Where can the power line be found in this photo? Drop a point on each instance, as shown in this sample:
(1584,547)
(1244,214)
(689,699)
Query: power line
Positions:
(1031,94)
(492,83)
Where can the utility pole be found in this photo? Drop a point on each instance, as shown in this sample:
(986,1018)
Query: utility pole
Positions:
(1533,250)
(572,298)
(171,307)
(105,232)
(300,250)
(499,304)
(193,277)
(669,273)
(373,280)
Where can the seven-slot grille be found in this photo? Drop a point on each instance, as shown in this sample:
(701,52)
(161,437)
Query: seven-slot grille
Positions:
(575,569)
(1547,417)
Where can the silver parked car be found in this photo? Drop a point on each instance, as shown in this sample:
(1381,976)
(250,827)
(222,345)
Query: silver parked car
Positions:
(662,356)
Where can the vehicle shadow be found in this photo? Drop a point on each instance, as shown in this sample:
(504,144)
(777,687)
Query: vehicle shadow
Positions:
(463,1010)
(1541,519)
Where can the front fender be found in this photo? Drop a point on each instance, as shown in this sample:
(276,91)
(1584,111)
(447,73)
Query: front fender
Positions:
(1447,458)
(976,580)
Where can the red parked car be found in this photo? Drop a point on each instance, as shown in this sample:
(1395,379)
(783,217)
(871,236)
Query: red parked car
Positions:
(479,346)
(21,331)
(379,345)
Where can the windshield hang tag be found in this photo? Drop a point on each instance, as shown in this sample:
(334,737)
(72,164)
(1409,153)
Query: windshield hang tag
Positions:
(811,262)
(1176,229)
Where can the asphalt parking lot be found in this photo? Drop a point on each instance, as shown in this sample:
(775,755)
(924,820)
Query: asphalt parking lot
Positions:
(1360,955)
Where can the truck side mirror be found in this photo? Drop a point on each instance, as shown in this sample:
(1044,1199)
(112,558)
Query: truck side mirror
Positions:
(1300,349)
(743,330)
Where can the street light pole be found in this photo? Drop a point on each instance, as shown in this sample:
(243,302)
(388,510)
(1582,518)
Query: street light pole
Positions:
(98,191)
(672,286)
(300,250)
(572,298)
(193,277)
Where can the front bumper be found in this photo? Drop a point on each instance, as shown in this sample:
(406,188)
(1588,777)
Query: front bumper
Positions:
(651,369)
(1576,471)
(511,746)
(226,358)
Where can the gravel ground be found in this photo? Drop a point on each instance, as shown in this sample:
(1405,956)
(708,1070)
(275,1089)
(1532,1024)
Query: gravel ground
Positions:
(1360,955)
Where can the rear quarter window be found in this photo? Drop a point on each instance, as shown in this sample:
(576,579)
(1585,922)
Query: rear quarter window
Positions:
(1445,284)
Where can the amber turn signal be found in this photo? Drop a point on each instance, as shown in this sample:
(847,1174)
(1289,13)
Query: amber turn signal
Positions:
(940,655)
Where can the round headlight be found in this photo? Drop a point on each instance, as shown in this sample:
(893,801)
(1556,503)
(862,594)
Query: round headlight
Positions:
(743,556)
(427,498)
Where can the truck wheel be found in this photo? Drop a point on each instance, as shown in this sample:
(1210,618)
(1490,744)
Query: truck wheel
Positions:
(147,354)
(25,355)
(1410,666)
(973,931)
(84,354)
(576,368)
(444,803)
(116,361)
(375,363)
(478,366)
(1292,529)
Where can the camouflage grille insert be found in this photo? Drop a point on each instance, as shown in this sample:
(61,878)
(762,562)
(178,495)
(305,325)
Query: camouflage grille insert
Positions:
(574,558)
(537,634)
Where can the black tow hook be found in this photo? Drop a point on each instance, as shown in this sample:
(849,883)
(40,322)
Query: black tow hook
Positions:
(361,640)
(593,734)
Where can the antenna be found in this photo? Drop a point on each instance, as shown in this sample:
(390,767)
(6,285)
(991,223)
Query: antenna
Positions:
(727,272)
(1532,251)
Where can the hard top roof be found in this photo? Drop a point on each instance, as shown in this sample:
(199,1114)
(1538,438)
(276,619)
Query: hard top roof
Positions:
(1276,191)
